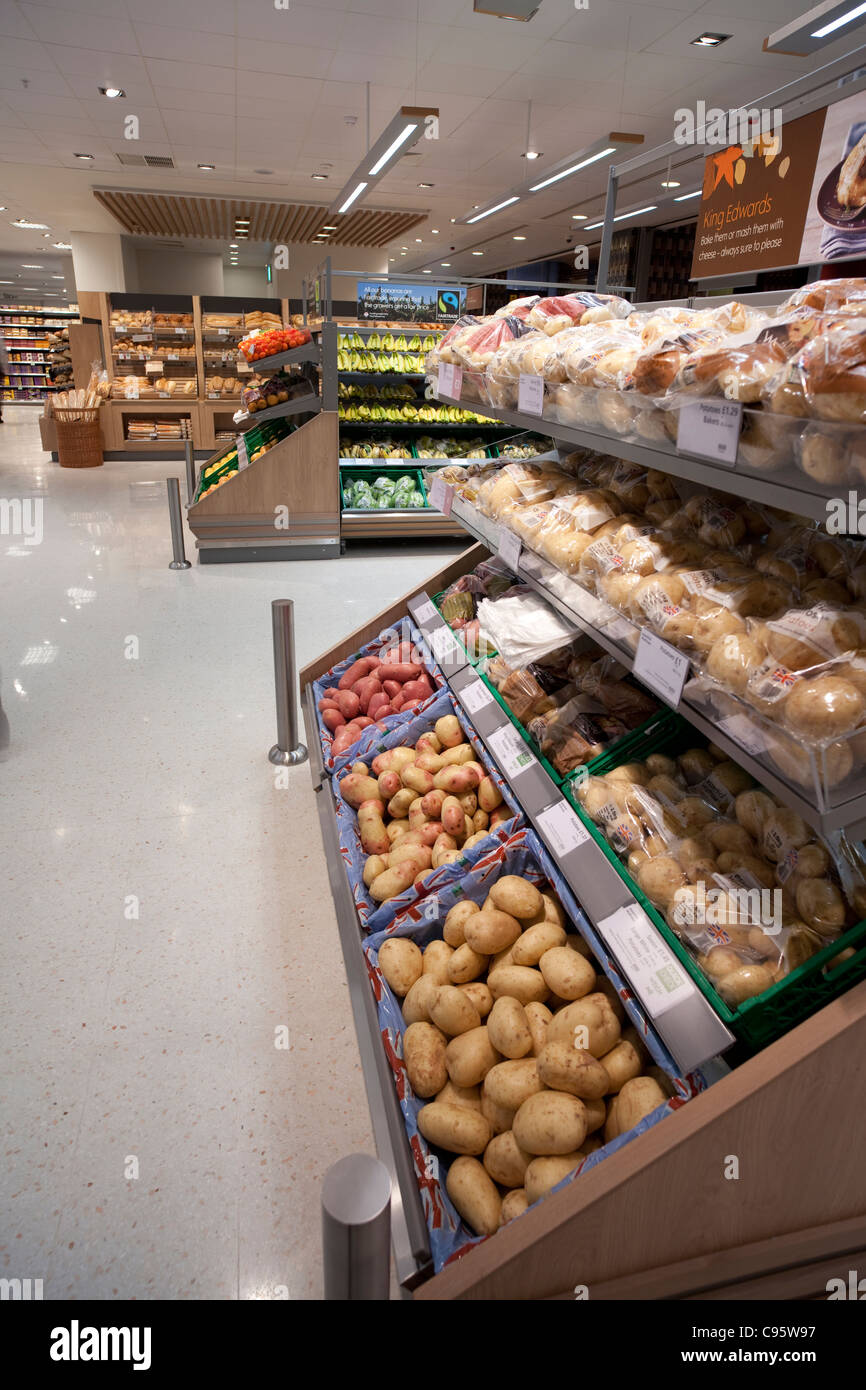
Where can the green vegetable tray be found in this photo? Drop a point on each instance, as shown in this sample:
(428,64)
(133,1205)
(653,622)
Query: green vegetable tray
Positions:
(759,1021)
(367,475)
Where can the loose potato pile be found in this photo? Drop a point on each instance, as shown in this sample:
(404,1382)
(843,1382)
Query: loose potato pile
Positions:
(519,1045)
(373,688)
(423,807)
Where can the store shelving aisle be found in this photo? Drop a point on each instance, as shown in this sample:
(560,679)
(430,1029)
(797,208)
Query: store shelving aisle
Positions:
(139,783)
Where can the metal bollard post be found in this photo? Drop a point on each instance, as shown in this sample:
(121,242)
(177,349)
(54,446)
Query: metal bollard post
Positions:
(356,1229)
(180,562)
(288,749)
(189,457)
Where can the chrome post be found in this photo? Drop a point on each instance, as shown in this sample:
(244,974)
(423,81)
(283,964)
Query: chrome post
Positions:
(189,457)
(356,1229)
(179,562)
(288,749)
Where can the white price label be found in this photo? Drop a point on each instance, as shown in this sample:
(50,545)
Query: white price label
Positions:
(155,367)
(530,394)
(510,751)
(140,337)
(222,332)
(172,357)
(475,696)
(443,644)
(450,380)
(711,429)
(425,612)
(131,392)
(509,548)
(562,827)
(213,395)
(661,667)
(741,729)
(180,330)
(651,966)
(441,496)
(243,456)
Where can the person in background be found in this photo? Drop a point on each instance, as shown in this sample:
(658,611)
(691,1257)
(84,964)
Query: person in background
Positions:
(4,373)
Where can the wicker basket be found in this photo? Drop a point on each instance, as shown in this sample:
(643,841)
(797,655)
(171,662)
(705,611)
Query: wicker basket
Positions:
(79,438)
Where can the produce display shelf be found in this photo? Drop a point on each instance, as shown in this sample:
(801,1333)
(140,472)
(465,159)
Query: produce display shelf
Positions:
(789,496)
(276,412)
(307,352)
(690,1027)
(619,636)
(409,1237)
(385,377)
(420,521)
(450,426)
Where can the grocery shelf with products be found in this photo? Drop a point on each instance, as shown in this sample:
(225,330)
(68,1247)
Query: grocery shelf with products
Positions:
(32,338)
(687,1029)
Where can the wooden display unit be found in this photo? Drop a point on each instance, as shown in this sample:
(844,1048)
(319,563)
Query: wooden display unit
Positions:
(663,1217)
(243,519)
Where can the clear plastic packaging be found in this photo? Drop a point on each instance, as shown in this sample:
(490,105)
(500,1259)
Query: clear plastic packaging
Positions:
(583,307)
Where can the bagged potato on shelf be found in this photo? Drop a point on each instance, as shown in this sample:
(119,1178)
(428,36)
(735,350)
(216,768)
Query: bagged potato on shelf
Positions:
(580,307)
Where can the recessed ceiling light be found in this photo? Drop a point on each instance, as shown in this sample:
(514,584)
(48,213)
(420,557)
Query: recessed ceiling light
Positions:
(329,229)
(7,282)
(242,221)
(319,176)
(696,193)
(27,265)
(2,207)
(233,246)
(478,253)
(58,277)
(444,262)
(488,212)
(210,167)
(579,216)
(533,154)
(709,40)
(33,226)
(435,231)
(425,185)
(518,238)
(453,219)
(417,238)
(670,183)
(63,245)
(82,156)
(112,92)
(402,253)
(426,272)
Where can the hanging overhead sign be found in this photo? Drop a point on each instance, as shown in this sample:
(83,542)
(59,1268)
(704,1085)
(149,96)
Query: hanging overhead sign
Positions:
(380,299)
(793,196)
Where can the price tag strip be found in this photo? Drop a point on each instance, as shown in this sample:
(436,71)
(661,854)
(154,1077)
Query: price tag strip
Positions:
(530,394)
(450,380)
(650,964)
(441,496)
(710,429)
(513,755)
(475,696)
(510,546)
(443,644)
(661,667)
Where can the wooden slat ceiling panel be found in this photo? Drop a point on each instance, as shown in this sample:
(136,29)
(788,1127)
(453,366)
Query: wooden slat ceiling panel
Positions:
(186,215)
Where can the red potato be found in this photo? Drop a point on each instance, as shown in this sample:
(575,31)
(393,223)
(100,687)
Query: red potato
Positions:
(349,704)
(366,689)
(393,760)
(344,738)
(399,671)
(478,772)
(374,837)
(431,831)
(363,721)
(389,784)
(379,702)
(391,688)
(362,667)
(404,651)
(417,690)
(356,789)
(453,816)
(327,702)
(397,703)
(431,804)
(333,720)
(332,692)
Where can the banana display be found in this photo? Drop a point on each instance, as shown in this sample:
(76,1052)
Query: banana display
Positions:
(361,361)
(426,447)
(388,342)
(410,413)
(385,448)
(397,391)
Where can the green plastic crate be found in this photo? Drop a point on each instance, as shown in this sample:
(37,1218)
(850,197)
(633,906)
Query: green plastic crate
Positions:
(759,1021)
(392,470)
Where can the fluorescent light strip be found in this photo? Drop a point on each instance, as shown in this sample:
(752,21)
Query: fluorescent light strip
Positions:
(490,211)
(554,178)
(683,196)
(352,196)
(392,149)
(651,207)
(837,23)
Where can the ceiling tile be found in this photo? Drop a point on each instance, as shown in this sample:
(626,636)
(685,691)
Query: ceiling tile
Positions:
(199,77)
(298,92)
(313,25)
(287,58)
(100,69)
(178,99)
(38,80)
(209,16)
(162,41)
(27,55)
(453,77)
(101,32)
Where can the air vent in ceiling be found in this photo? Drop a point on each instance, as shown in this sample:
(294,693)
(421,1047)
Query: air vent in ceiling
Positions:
(151,161)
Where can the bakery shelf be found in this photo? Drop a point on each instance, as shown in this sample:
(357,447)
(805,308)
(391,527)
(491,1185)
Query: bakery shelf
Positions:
(619,636)
(794,494)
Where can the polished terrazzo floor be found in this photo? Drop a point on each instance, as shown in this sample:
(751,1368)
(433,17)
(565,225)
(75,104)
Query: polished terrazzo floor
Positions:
(165,906)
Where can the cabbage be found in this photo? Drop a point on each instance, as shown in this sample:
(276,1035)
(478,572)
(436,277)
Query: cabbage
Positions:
(405,481)
(384,485)
(417,499)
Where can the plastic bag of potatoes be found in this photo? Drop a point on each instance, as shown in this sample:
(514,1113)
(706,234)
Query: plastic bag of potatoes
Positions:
(742,880)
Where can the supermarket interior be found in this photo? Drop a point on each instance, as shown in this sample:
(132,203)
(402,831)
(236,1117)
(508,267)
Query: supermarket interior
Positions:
(433,712)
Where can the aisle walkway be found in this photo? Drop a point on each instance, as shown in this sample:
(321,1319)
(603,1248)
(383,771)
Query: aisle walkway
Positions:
(166,909)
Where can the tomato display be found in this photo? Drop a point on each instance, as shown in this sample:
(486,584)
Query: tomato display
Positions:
(273,341)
